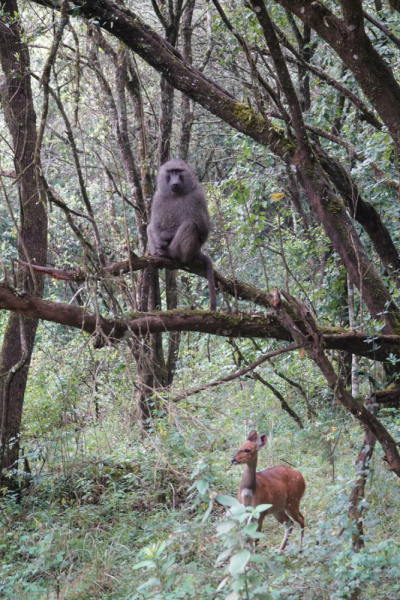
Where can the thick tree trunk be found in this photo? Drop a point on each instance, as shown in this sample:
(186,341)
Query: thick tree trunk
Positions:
(148,351)
(17,103)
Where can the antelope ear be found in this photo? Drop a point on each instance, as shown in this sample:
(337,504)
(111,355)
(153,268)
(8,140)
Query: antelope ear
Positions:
(253,436)
(262,440)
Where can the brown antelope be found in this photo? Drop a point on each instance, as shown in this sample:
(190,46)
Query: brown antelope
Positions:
(282,487)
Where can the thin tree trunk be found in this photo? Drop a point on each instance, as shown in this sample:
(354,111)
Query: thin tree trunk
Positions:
(355,386)
(358,491)
(186,112)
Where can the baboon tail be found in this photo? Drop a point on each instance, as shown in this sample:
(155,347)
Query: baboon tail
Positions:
(210,278)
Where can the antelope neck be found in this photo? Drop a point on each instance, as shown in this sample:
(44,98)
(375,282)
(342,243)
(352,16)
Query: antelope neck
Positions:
(249,475)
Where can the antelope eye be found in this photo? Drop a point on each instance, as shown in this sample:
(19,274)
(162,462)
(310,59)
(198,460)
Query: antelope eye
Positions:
(247,450)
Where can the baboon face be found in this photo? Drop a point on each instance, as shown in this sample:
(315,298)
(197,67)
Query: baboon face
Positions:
(176,178)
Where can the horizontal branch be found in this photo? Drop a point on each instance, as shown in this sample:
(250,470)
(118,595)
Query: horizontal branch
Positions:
(233,287)
(388,397)
(264,326)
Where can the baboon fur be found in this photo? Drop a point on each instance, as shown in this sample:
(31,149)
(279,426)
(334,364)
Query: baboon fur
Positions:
(180,223)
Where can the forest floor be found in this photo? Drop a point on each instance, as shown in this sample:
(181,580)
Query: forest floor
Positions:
(110,515)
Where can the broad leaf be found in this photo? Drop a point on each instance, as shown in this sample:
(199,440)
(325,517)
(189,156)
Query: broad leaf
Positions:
(160,549)
(145,563)
(261,507)
(228,500)
(208,511)
(263,560)
(238,562)
(225,527)
(202,485)
(232,596)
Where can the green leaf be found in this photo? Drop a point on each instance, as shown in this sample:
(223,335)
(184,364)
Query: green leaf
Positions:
(228,500)
(145,563)
(150,582)
(225,527)
(238,562)
(235,511)
(202,485)
(258,559)
(251,529)
(243,516)
(170,562)
(232,596)
(170,580)
(208,511)
(160,549)
(239,583)
(263,560)
(254,580)
(261,507)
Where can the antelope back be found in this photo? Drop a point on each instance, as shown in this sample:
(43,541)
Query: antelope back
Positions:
(282,487)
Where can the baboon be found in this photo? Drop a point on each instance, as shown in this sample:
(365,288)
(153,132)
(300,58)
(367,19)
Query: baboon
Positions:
(180,223)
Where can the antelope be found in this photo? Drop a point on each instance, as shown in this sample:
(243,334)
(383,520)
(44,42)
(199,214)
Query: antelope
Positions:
(282,487)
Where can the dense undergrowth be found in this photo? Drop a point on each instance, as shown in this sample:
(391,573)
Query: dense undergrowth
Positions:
(110,514)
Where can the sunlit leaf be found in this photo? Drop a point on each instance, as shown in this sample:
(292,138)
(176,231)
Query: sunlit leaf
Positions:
(277,197)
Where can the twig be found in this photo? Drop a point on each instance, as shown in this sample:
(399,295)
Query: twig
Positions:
(236,375)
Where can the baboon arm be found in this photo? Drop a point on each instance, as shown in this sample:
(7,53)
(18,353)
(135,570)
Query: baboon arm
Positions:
(167,235)
(203,226)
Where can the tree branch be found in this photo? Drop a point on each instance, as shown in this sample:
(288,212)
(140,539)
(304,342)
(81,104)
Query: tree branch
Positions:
(237,374)
(220,324)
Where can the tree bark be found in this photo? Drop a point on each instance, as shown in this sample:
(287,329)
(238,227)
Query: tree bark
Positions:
(235,325)
(355,385)
(17,103)
(358,492)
